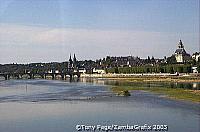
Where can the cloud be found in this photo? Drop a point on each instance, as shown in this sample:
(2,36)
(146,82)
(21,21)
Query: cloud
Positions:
(20,34)
(92,43)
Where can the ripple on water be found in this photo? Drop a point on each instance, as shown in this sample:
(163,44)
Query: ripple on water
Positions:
(48,90)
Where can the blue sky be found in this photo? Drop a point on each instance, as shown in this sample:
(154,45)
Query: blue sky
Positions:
(49,30)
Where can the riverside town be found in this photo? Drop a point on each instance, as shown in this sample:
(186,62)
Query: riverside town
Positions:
(99,65)
(179,63)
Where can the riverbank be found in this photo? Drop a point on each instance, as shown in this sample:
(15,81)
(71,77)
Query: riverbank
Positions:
(187,93)
(173,93)
(159,77)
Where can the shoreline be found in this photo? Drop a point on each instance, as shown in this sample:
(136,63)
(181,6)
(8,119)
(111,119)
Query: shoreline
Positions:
(191,95)
(185,94)
(146,77)
(172,93)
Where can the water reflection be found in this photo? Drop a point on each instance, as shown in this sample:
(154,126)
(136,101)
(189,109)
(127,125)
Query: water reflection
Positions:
(93,80)
(184,85)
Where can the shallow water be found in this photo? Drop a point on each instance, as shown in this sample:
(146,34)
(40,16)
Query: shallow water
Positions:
(48,90)
(50,105)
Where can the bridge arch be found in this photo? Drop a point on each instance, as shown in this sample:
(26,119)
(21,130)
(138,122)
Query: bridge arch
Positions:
(37,75)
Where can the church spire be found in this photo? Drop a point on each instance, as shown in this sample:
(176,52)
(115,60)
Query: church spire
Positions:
(74,59)
(70,59)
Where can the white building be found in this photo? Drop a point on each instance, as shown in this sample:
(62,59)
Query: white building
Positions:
(82,70)
(196,56)
(194,70)
(99,71)
(57,71)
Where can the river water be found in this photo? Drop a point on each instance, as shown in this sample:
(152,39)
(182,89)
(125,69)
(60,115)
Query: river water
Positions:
(59,106)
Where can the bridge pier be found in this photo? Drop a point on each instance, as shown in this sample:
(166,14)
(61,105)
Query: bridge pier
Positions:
(7,77)
(70,77)
(17,76)
(44,76)
(79,76)
(53,76)
(63,77)
(31,76)
(20,76)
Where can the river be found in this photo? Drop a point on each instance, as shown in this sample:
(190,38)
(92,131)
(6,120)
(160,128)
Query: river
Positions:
(59,106)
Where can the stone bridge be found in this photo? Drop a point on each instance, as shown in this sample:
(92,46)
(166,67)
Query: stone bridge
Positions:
(8,75)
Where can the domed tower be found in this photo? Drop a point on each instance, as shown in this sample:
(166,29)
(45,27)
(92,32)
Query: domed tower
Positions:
(180,54)
(180,45)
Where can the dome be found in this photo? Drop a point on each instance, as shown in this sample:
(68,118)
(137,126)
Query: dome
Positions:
(180,51)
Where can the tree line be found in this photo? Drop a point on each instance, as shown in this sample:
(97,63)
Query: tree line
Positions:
(153,69)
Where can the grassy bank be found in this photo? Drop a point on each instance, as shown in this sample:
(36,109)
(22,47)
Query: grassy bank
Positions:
(181,94)
(158,79)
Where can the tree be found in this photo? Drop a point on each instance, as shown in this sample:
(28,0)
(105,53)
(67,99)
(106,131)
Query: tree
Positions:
(116,70)
(169,69)
(187,69)
(147,69)
(171,60)
(198,68)
(180,69)
(160,69)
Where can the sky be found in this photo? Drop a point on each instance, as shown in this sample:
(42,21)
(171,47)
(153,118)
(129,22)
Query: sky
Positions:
(49,30)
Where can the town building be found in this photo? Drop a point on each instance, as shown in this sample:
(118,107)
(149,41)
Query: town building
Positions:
(82,70)
(99,71)
(194,69)
(72,65)
(180,54)
(196,56)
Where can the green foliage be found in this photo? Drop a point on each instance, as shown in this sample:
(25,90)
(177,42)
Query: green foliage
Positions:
(171,60)
(198,68)
(111,70)
(153,69)
(116,70)
(169,69)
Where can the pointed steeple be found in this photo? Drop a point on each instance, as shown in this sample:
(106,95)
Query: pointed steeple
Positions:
(70,59)
(74,59)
